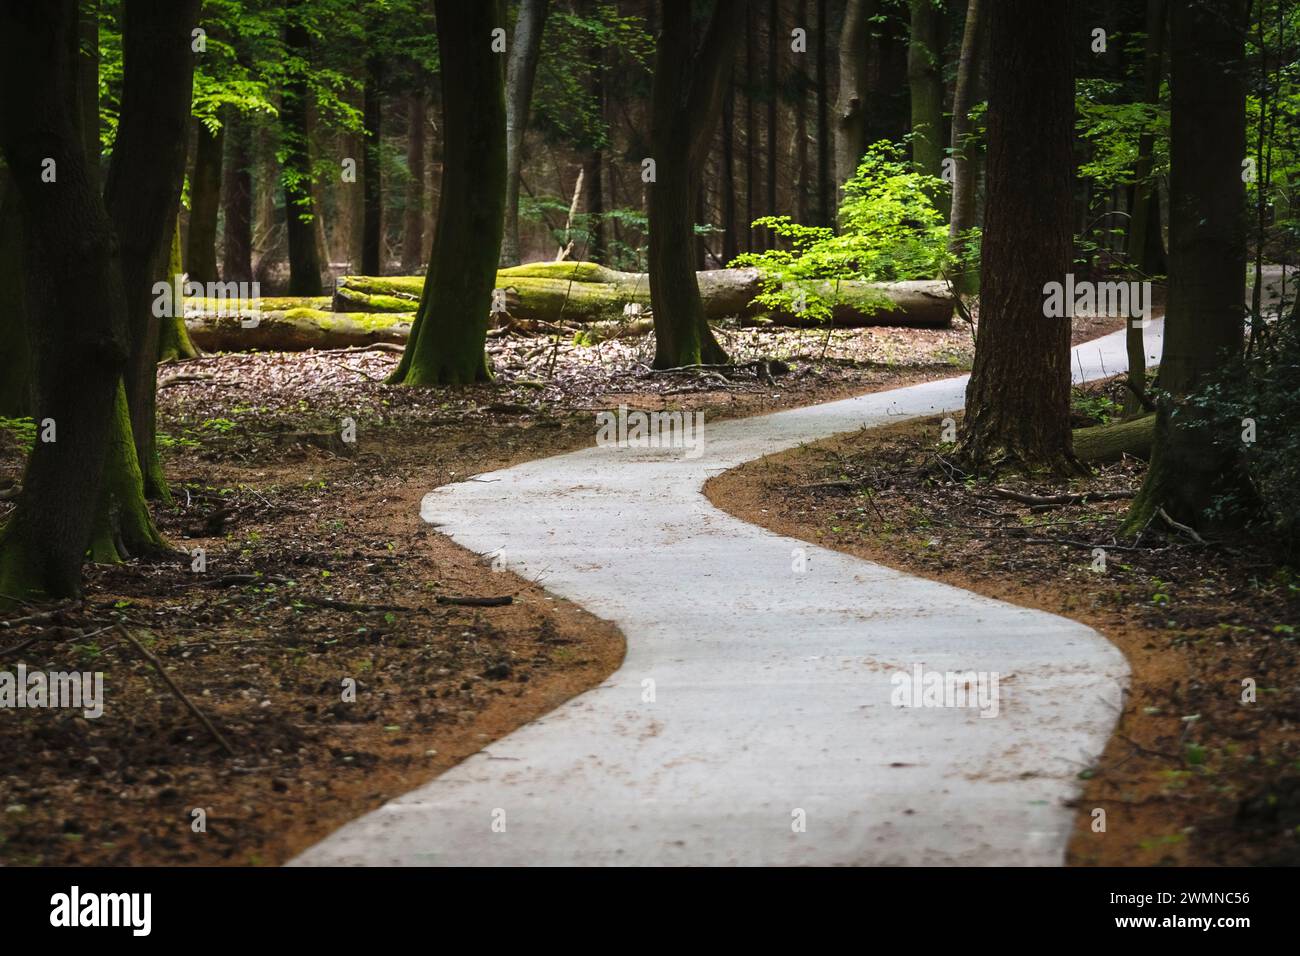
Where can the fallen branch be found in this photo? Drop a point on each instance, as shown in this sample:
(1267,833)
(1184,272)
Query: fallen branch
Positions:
(1179,526)
(476,601)
(162,672)
(1065,499)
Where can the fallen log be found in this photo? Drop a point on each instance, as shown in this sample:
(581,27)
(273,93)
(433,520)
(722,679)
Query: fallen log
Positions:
(1103,443)
(295,330)
(586,292)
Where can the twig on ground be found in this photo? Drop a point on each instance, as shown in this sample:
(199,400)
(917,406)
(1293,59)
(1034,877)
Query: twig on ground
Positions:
(162,672)
(1179,526)
(475,601)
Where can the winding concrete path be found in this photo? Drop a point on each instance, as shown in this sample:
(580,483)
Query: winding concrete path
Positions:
(771,689)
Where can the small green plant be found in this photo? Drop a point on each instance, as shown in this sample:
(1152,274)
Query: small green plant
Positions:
(22,431)
(890,230)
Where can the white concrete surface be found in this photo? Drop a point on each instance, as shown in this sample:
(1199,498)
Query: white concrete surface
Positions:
(772,689)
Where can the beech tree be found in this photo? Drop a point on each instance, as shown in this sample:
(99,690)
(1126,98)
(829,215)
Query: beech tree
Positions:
(1018,399)
(80,339)
(448,337)
(689,85)
(520,72)
(962,217)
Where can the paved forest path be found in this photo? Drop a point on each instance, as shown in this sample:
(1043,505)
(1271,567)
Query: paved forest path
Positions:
(771,689)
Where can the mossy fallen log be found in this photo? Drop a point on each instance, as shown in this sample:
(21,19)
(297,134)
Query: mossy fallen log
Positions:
(586,292)
(295,329)
(1103,443)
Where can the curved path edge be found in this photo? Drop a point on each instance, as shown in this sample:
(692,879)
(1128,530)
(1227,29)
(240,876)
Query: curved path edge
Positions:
(754,719)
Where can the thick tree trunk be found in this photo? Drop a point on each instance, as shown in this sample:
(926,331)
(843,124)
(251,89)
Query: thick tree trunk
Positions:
(963,167)
(925,80)
(850,108)
(237,196)
(689,86)
(730,236)
(205,201)
(304,260)
(413,220)
(525,51)
(1191,466)
(1018,399)
(372,210)
(773,117)
(80,346)
(1142,227)
(143,189)
(450,331)
(801,123)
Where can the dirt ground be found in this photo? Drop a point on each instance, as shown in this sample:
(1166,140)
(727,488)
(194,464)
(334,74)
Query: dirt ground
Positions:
(1195,773)
(314,639)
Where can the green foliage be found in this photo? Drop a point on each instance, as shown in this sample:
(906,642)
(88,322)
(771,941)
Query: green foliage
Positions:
(1111,131)
(1265,388)
(20,431)
(890,230)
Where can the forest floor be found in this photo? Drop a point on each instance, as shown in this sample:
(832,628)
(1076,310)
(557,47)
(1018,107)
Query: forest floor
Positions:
(1193,774)
(319,571)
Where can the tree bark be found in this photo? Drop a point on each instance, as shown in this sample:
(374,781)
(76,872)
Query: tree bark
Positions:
(1142,226)
(237,197)
(80,347)
(963,166)
(925,80)
(1018,399)
(143,190)
(825,185)
(1191,466)
(448,338)
(205,201)
(522,70)
(372,207)
(295,123)
(413,220)
(850,108)
(689,86)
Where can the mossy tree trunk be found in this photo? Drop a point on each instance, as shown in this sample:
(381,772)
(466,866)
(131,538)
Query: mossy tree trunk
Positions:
(689,85)
(143,190)
(1018,399)
(1192,466)
(295,132)
(205,201)
(447,344)
(174,337)
(80,347)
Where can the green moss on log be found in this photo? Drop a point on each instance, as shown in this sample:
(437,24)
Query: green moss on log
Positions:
(1103,443)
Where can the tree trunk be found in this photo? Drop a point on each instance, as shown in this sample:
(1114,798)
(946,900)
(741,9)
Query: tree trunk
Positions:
(80,347)
(963,166)
(689,86)
(593,163)
(15,348)
(773,117)
(372,208)
(522,69)
(173,336)
(925,80)
(447,345)
(304,259)
(825,185)
(413,220)
(850,119)
(801,122)
(1190,465)
(730,236)
(144,186)
(237,196)
(1145,200)
(205,201)
(1018,399)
